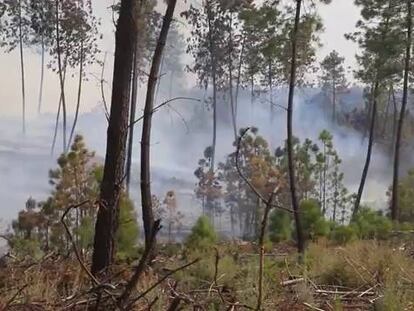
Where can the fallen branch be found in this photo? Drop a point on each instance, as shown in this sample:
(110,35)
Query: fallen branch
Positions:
(132,283)
(10,301)
(75,249)
(292,282)
(129,307)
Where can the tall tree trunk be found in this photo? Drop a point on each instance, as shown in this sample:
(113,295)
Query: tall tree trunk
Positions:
(333,101)
(395,213)
(111,186)
(232,103)
(394,120)
(42,74)
(62,84)
(369,151)
(22,69)
(386,115)
(147,212)
(212,52)
(291,164)
(52,150)
(132,117)
(75,120)
(239,70)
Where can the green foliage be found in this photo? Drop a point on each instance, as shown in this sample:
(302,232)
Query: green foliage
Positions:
(76,179)
(280,226)
(342,235)
(314,224)
(370,224)
(202,235)
(23,247)
(128,231)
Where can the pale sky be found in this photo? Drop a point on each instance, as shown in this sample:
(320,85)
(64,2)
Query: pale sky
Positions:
(339,18)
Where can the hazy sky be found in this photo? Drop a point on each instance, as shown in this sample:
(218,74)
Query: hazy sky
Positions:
(339,18)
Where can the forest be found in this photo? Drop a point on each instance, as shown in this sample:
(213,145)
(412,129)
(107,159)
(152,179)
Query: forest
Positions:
(206,155)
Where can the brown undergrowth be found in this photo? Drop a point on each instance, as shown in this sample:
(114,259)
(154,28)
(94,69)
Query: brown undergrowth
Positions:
(363,275)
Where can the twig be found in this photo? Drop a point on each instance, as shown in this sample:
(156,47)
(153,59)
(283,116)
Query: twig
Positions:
(160,281)
(132,283)
(94,280)
(312,307)
(102,89)
(10,301)
(163,104)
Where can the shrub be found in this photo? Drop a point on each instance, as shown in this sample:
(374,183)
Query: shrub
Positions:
(202,235)
(343,234)
(127,234)
(280,226)
(313,222)
(372,224)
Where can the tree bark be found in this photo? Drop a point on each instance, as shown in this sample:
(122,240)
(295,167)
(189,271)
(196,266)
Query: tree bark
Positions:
(132,118)
(111,187)
(291,164)
(395,213)
(22,69)
(62,83)
(214,78)
(147,212)
(369,151)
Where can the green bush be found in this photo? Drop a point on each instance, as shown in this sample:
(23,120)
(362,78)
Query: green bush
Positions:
(343,234)
(202,235)
(371,224)
(280,226)
(128,231)
(314,223)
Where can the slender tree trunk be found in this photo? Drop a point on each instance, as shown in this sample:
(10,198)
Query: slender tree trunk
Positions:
(42,74)
(75,120)
(369,151)
(386,115)
(111,186)
(134,95)
(232,103)
(325,168)
(62,84)
(239,70)
(395,120)
(291,164)
(333,101)
(22,69)
(147,212)
(52,150)
(395,212)
(214,78)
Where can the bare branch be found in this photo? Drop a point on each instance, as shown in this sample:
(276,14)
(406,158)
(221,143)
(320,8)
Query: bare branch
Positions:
(163,104)
(94,280)
(162,280)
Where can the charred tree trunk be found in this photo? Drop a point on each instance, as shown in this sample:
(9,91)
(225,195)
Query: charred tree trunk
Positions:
(395,213)
(111,187)
(147,212)
(291,164)
(369,151)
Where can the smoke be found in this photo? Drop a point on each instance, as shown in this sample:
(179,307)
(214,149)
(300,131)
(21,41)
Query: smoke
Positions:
(181,132)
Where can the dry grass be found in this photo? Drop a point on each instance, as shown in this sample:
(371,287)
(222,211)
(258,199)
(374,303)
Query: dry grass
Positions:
(366,275)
